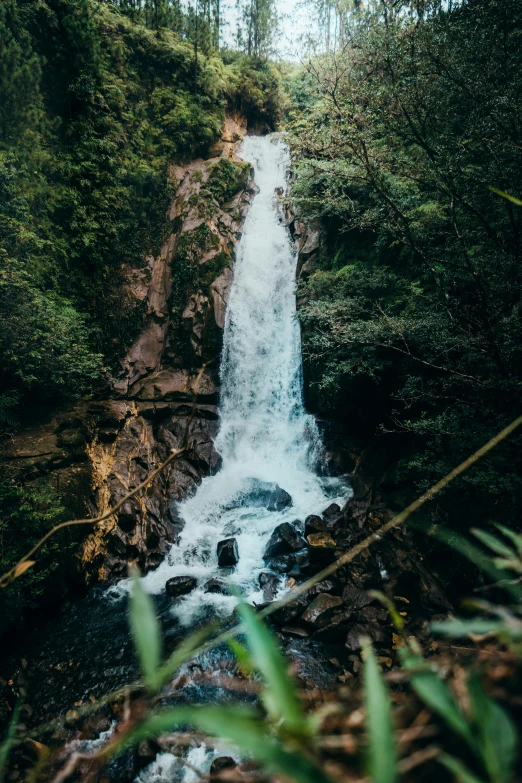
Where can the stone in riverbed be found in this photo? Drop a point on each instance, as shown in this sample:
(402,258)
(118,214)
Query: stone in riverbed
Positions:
(227,552)
(262,494)
(332,516)
(283,564)
(284,540)
(219,765)
(321,548)
(216,586)
(269,584)
(332,512)
(336,630)
(279,500)
(356,598)
(314,524)
(180,585)
(353,639)
(320,611)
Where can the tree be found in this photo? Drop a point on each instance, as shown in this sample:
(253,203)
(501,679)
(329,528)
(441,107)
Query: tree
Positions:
(257,27)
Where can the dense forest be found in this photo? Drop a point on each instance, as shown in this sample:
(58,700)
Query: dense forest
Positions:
(403,120)
(405,134)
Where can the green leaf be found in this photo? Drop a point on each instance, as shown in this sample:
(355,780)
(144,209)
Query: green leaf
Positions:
(515,538)
(382,755)
(497,733)
(494,543)
(461,772)
(459,627)
(243,728)
(242,655)
(472,553)
(436,695)
(280,697)
(7,744)
(145,632)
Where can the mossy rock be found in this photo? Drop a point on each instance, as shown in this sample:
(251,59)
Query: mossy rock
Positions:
(204,203)
(193,244)
(72,438)
(227,178)
(213,268)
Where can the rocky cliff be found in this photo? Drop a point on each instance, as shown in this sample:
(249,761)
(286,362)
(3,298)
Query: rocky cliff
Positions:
(99,451)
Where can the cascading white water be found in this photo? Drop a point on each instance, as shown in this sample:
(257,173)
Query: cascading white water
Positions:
(265,433)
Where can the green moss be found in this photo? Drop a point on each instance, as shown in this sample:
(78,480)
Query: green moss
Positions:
(212,269)
(227,178)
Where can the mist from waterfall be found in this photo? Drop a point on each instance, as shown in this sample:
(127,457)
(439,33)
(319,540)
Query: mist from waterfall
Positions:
(265,434)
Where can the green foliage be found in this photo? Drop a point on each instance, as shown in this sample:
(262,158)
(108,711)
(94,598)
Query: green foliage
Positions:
(255,90)
(382,755)
(145,632)
(227,178)
(96,106)
(6,745)
(45,344)
(273,745)
(29,510)
(279,698)
(412,310)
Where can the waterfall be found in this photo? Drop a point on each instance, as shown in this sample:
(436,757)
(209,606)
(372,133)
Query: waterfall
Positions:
(265,434)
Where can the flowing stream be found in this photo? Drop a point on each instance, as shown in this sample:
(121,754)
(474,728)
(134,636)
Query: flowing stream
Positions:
(265,436)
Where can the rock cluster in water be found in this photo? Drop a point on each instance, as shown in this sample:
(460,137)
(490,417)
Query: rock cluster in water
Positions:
(341,609)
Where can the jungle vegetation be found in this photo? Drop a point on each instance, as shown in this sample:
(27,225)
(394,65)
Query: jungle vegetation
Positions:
(407,131)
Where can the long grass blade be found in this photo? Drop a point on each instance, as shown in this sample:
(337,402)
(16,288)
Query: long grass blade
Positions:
(145,632)
(382,755)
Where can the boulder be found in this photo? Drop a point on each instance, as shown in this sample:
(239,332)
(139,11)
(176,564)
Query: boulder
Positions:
(332,515)
(374,631)
(284,540)
(279,500)
(314,524)
(269,584)
(262,494)
(332,511)
(356,598)
(336,630)
(227,552)
(219,765)
(180,585)
(216,586)
(289,612)
(321,548)
(320,611)
(283,564)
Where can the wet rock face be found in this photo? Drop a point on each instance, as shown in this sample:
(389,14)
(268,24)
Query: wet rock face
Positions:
(140,437)
(216,586)
(269,584)
(319,612)
(279,500)
(314,524)
(284,540)
(184,322)
(227,552)
(263,494)
(180,585)
(321,548)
